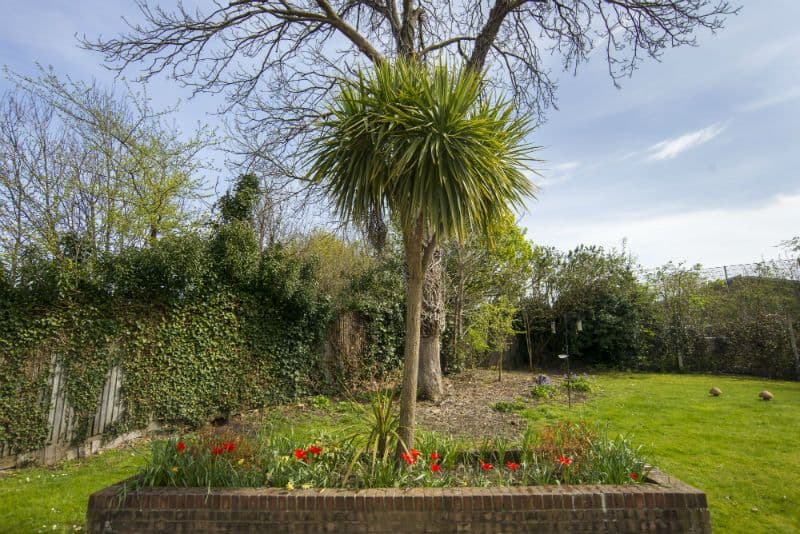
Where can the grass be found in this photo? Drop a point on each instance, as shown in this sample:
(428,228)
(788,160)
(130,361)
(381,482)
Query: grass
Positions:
(741,451)
(55,499)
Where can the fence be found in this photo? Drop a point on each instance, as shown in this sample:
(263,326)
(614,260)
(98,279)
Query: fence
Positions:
(343,364)
(61,421)
(787,269)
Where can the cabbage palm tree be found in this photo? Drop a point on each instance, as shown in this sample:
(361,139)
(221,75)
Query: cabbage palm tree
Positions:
(423,145)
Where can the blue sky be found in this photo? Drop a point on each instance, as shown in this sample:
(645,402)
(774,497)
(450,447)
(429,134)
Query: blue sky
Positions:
(693,159)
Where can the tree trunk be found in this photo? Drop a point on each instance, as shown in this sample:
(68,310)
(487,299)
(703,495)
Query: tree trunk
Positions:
(430,369)
(793,342)
(408,395)
(432,325)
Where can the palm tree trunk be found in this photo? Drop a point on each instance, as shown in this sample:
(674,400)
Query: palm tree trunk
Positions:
(432,325)
(408,396)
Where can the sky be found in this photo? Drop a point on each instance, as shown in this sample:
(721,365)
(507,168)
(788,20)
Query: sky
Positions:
(693,159)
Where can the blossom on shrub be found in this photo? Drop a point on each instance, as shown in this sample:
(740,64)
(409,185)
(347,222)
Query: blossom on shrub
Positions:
(634,476)
(314,449)
(435,468)
(229,447)
(486,466)
(564,460)
(216,450)
(180,447)
(300,454)
(512,466)
(435,456)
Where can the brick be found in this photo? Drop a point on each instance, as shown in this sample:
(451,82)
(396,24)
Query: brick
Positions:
(675,507)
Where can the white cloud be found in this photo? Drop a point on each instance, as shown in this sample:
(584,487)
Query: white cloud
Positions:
(772,100)
(568,166)
(712,237)
(670,148)
(556,174)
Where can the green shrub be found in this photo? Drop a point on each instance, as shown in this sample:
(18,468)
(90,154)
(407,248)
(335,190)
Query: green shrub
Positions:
(577,383)
(544,391)
(508,406)
(320,402)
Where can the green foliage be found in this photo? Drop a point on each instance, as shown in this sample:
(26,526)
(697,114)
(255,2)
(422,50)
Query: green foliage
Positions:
(338,263)
(577,383)
(493,267)
(377,296)
(192,341)
(374,434)
(562,453)
(600,288)
(508,406)
(741,327)
(240,204)
(320,402)
(544,391)
(424,143)
(236,251)
(88,170)
(581,453)
(491,326)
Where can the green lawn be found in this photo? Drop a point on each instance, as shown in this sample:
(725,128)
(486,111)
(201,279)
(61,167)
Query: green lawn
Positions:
(743,452)
(54,500)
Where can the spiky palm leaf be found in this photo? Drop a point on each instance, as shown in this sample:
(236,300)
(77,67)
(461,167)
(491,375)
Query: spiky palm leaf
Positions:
(422,141)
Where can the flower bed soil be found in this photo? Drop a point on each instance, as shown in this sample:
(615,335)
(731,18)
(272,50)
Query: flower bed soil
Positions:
(664,504)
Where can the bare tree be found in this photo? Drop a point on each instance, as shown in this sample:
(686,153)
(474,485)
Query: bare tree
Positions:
(81,166)
(277,61)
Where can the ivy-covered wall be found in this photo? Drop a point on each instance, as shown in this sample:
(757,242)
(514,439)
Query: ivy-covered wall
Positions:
(200,326)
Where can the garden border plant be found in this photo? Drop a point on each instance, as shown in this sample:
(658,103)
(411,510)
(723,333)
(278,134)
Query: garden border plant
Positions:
(211,480)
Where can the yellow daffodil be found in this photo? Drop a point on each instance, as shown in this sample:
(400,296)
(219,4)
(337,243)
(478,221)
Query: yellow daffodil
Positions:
(240,462)
(289,485)
(306,486)
(175,469)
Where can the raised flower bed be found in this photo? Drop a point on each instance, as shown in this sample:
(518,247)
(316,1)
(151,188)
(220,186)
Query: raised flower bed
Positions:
(566,477)
(663,504)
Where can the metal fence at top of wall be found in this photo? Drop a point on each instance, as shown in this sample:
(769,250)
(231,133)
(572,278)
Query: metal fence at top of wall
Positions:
(785,268)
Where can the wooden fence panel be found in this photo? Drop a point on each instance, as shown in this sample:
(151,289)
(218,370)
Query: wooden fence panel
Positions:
(61,416)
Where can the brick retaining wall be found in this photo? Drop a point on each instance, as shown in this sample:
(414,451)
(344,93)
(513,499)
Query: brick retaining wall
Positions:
(666,505)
